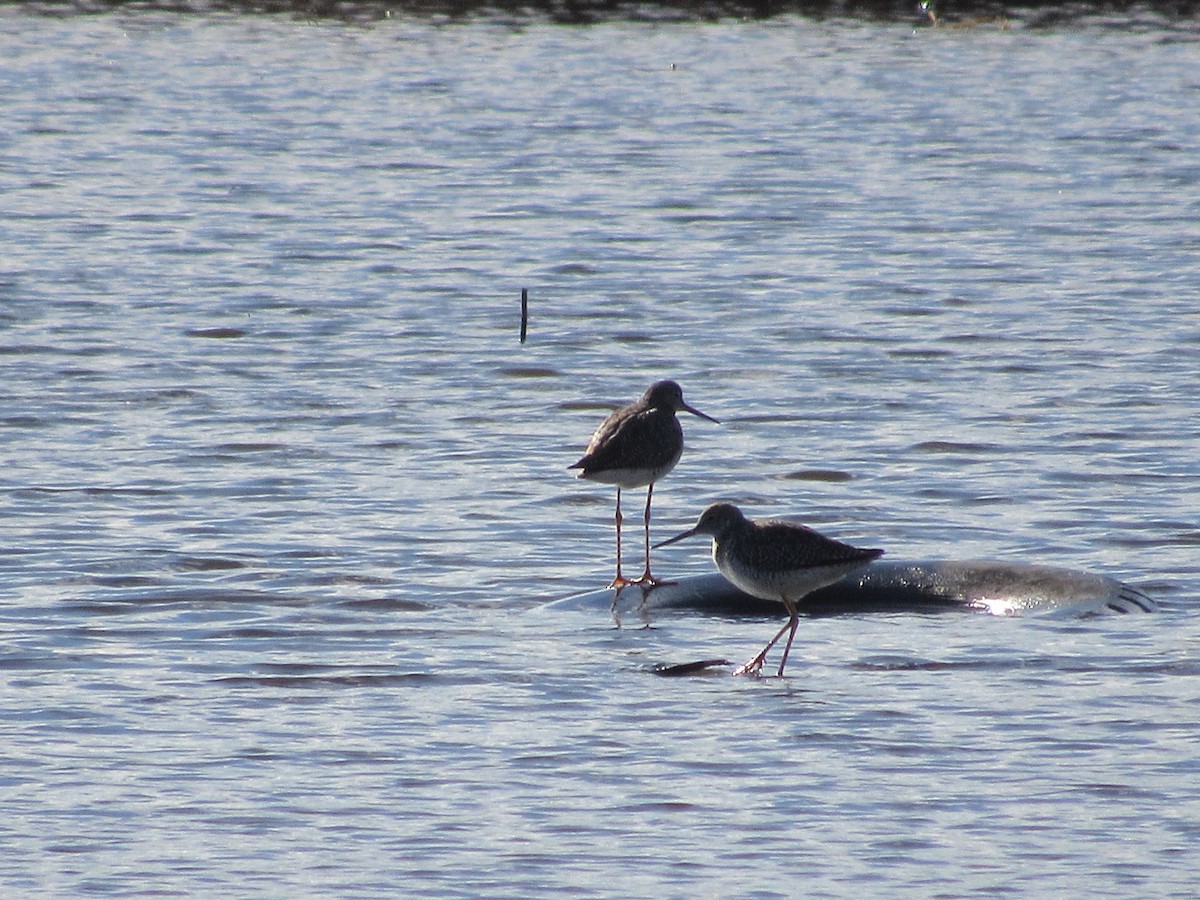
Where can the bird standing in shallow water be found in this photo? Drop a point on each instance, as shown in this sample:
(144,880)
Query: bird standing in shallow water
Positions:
(774,560)
(634,447)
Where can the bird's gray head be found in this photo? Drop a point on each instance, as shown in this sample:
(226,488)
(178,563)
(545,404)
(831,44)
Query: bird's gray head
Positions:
(665,395)
(669,395)
(717,521)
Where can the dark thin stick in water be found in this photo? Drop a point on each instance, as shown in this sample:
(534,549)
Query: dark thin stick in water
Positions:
(524,312)
(689,668)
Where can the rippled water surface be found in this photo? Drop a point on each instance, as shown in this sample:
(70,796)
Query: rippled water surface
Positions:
(283,493)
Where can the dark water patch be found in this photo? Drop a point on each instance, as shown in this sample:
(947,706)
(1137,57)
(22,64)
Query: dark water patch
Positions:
(408,165)
(29,350)
(1182,538)
(312,256)
(1184,668)
(910,664)
(634,337)
(973,338)
(1107,435)
(312,682)
(661,806)
(29,492)
(530,372)
(120,581)
(147,396)
(696,218)
(383,756)
(249,632)
(312,669)
(217,333)
(1113,791)
(153,217)
(338,579)
(987,500)
(251,447)
(1039,664)
(573,269)
(832,476)
(920,353)
(1130,541)
(1019,368)
(199,598)
(913,312)
(23,661)
(588,406)
(589,499)
(259,754)
(394,444)
(190,250)
(387,604)
(25,422)
(1090,476)
(955,447)
(209,564)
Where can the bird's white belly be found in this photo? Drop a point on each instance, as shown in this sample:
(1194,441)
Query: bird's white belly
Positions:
(628,478)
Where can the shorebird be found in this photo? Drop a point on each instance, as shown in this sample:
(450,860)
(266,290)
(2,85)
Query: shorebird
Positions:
(773,560)
(635,447)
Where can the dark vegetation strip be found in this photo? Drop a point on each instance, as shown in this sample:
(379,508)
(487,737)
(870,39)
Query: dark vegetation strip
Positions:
(1030,13)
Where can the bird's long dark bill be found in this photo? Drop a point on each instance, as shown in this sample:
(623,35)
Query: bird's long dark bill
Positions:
(696,412)
(678,537)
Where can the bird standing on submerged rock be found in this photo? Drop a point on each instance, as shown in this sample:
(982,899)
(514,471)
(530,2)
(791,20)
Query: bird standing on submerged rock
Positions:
(635,447)
(774,560)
